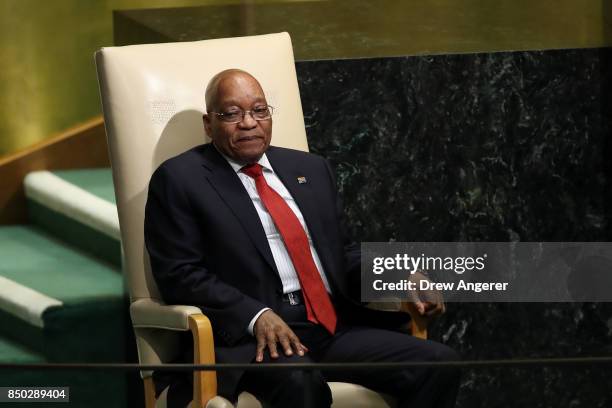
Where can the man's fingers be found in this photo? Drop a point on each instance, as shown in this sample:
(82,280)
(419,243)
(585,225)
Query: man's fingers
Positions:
(415,298)
(427,302)
(284,341)
(261,345)
(420,307)
(414,295)
(299,348)
(269,330)
(272,345)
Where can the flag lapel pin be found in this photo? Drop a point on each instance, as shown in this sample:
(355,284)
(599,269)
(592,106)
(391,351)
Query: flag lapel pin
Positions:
(301,180)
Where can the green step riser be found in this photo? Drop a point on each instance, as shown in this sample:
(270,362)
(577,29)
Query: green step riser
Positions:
(95,332)
(75,233)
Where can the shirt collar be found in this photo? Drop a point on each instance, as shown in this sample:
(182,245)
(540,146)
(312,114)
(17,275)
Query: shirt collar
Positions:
(263,162)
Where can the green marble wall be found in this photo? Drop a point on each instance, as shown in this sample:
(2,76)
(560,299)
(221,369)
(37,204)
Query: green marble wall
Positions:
(487,147)
(47,75)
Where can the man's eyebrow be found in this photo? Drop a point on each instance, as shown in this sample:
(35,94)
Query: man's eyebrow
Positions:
(231,102)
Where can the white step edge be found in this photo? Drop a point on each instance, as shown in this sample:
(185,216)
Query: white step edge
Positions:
(72,201)
(25,303)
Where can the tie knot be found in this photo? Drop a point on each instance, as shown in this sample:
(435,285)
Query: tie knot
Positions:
(252,170)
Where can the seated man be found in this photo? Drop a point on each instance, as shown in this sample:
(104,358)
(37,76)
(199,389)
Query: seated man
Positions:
(253,235)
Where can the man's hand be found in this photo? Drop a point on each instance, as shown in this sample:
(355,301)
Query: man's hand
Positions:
(270,329)
(429,303)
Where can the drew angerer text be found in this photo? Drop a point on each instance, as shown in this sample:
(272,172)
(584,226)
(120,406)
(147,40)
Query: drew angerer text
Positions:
(405,284)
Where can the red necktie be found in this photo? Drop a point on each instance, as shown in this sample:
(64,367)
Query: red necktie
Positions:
(319,308)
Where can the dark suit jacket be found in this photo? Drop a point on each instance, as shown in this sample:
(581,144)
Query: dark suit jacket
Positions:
(208,247)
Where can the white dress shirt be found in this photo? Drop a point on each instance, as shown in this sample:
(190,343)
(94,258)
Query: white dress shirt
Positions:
(281,257)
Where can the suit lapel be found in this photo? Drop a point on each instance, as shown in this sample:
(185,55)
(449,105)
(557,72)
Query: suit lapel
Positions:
(229,187)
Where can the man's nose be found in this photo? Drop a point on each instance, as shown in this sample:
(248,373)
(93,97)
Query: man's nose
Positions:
(247,121)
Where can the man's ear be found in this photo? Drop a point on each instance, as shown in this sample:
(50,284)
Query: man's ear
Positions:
(206,121)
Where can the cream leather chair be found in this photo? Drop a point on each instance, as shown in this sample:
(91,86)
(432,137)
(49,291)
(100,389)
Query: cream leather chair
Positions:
(153,100)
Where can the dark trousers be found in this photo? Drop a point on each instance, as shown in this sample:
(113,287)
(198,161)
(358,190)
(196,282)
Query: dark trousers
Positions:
(414,388)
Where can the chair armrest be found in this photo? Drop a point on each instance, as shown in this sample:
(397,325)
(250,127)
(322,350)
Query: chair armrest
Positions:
(204,382)
(418,323)
(149,313)
(152,314)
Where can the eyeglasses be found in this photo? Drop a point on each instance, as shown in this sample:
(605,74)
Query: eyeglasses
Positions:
(237,115)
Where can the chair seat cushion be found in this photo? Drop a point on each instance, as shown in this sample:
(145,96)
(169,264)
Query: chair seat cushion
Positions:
(345,395)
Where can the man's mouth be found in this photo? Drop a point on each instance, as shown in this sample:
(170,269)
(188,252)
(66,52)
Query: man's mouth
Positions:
(247,138)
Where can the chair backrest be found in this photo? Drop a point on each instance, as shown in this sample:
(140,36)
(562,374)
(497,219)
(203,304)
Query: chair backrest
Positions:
(153,101)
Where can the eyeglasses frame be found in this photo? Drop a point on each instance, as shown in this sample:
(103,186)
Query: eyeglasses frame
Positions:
(244,113)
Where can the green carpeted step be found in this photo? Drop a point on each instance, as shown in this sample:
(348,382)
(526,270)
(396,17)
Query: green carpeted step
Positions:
(77,206)
(98,182)
(35,259)
(58,299)
(59,303)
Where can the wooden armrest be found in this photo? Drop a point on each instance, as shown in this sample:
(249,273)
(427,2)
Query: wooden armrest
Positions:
(418,323)
(204,382)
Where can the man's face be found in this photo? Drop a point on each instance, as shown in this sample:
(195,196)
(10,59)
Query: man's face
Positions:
(248,139)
